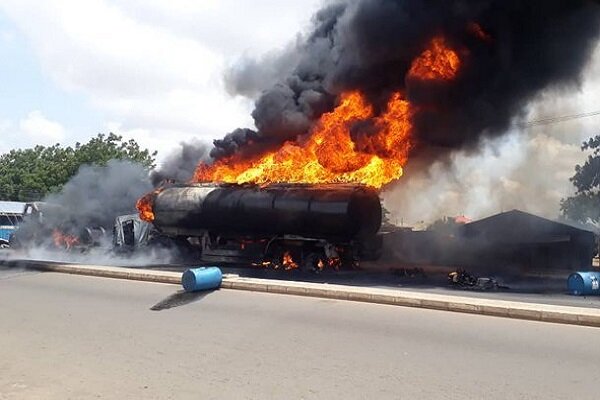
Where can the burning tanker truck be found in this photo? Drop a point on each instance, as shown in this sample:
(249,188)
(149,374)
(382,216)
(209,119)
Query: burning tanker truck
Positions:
(287,226)
(372,84)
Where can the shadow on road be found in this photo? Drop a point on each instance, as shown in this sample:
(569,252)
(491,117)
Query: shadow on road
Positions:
(180,298)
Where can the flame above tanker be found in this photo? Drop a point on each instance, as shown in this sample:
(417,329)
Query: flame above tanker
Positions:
(330,153)
(465,71)
(437,62)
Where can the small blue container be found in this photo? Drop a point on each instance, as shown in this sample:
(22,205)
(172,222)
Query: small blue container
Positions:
(584,283)
(204,278)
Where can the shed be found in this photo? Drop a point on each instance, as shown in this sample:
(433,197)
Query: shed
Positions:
(517,238)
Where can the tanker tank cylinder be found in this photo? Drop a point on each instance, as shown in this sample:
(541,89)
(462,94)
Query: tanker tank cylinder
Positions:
(321,211)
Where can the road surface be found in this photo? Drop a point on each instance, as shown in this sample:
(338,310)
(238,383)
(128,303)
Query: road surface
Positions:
(76,337)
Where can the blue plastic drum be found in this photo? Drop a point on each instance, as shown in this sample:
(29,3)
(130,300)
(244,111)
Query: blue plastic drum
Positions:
(204,278)
(584,283)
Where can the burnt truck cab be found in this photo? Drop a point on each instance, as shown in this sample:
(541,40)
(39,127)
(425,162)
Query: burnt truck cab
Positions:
(281,225)
(53,226)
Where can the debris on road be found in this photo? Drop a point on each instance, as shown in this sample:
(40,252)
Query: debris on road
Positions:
(462,279)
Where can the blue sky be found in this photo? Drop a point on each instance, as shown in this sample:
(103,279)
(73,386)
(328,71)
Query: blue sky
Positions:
(25,88)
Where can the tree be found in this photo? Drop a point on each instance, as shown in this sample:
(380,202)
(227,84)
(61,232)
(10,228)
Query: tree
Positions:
(584,206)
(30,174)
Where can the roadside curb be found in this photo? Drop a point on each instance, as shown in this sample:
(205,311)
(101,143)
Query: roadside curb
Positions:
(496,308)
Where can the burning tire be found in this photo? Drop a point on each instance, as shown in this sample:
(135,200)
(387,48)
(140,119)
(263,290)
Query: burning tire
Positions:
(312,262)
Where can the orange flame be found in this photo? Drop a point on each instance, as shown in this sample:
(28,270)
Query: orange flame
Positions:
(288,262)
(62,240)
(145,205)
(329,155)
(438,62)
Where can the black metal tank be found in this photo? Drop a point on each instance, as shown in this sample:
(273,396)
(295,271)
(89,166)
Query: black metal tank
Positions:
(319,211)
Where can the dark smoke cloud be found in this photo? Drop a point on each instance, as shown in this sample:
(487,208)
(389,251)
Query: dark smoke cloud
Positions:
(180,164)
(369,45)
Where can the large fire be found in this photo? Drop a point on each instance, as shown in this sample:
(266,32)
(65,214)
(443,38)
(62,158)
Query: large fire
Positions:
(329,153)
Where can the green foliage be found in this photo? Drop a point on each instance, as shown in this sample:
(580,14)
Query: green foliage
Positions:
(584,206)
(30,174)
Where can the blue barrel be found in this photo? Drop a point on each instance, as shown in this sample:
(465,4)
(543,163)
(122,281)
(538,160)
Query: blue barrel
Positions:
(204,278)
(584,283)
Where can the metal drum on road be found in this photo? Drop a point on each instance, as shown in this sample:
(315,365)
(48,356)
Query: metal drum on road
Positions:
(584,283)
(204,278)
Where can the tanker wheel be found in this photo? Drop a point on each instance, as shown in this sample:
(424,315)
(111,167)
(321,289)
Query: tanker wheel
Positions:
(310,262)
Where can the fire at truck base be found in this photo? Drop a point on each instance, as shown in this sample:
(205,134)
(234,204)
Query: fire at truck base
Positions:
(280,226)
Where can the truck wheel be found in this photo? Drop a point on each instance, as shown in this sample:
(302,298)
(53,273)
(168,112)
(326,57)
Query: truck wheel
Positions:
(310,262)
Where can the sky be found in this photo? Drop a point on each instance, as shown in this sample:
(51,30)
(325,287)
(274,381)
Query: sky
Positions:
(145,69)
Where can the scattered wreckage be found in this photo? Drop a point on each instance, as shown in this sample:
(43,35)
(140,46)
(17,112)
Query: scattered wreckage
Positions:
(47,225)
(461,279)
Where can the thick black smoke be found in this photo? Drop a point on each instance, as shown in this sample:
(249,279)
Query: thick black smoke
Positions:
(369,45)
(181,163)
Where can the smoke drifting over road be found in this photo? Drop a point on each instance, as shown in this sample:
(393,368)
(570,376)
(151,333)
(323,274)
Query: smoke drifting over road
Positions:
(92,199)
(509,50)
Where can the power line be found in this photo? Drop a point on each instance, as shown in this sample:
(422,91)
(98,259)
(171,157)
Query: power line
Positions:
(554,120)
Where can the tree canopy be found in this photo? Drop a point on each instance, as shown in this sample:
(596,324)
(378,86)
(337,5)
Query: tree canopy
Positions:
(584,206)
(30,174)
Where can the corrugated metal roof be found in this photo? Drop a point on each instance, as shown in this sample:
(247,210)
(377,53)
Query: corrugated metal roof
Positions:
(521,227)
(12,207)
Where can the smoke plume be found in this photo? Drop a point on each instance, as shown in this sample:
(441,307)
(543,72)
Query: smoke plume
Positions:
(510,50)
(528,168)
(180,164)
(93,198)
(97,194)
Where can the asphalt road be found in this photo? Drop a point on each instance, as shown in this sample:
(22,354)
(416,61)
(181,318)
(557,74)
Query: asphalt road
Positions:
(64,336)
